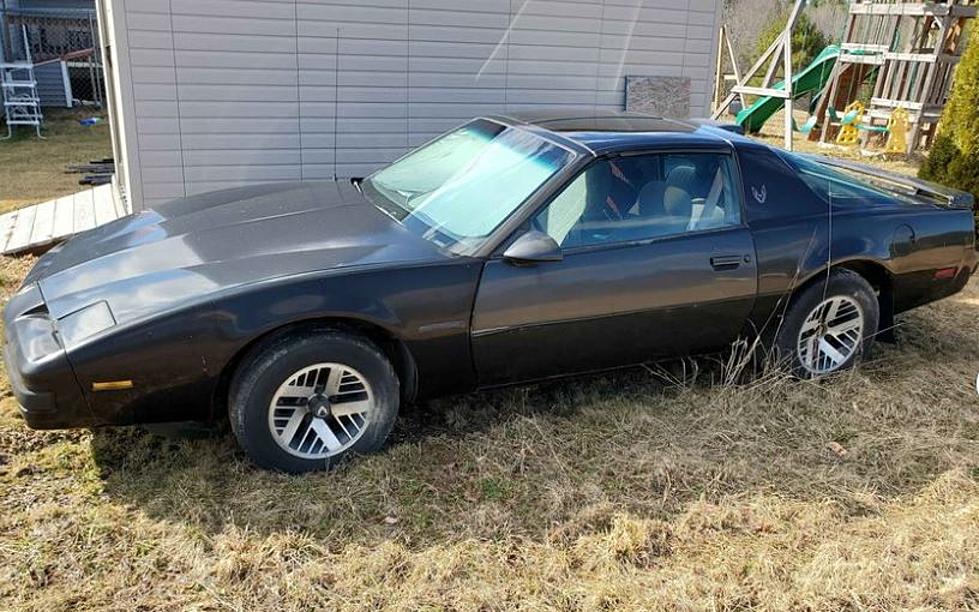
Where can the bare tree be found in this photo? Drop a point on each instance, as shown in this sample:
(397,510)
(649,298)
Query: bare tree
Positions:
(829,17)
(745,20)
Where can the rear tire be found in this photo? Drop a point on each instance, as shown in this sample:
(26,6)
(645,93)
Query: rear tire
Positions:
(305,401)
(829,326)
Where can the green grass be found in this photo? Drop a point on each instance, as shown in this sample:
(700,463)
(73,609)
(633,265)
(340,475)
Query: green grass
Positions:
(34,170)
(635,490)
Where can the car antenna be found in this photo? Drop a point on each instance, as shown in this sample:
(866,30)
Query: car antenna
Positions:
(829,242)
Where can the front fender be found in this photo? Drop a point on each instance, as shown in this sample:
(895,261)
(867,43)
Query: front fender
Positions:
(427,308)
(175,360)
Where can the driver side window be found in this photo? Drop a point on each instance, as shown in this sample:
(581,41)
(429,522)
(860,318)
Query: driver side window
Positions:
(627,199)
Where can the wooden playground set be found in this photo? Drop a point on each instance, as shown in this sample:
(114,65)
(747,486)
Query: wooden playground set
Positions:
(882,88)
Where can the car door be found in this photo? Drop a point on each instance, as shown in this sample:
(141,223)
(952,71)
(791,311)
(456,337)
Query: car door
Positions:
(656,263)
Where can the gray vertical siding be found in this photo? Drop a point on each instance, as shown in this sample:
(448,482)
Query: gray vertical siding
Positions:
(155,112)
(230,92)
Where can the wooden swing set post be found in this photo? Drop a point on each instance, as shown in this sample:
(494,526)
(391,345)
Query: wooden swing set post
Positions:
(831,89)
(780,51)
(721,78)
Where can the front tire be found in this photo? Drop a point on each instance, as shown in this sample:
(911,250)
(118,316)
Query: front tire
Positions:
(305,401)
(829,326)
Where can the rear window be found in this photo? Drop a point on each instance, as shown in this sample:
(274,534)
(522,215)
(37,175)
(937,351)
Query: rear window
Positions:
(839,186)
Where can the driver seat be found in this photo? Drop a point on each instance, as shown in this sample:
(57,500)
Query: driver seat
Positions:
(610,192)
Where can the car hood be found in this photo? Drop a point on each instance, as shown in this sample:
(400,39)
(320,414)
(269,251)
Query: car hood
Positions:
(190,248)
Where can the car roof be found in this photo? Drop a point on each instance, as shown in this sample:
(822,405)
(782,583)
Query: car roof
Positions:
(605,132)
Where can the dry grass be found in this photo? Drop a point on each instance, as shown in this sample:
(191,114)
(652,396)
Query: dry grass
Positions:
(32,170)
(615,492)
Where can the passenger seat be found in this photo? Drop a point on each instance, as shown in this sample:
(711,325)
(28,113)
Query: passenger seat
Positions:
(678,196)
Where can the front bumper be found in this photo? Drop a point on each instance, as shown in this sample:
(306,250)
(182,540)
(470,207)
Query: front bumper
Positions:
(40,375)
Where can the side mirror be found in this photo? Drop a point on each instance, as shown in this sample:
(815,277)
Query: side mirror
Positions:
(533,247)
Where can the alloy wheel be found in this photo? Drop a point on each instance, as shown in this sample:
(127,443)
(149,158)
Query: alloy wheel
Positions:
(830,335)
(321,410)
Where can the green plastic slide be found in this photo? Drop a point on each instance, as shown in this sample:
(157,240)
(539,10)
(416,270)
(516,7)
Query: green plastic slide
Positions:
(812,78)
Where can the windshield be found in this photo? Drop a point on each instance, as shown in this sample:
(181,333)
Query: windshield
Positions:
(460,187)
(839,186)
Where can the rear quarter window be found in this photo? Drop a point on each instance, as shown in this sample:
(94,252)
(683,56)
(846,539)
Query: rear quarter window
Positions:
(840,187)
(772,189)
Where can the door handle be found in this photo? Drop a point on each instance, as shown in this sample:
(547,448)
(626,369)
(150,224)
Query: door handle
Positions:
(725,262)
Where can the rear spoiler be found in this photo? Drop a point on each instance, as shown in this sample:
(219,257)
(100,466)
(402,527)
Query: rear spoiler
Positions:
(905,185)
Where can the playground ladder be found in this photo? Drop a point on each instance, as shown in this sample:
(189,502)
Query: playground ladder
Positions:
(21,103)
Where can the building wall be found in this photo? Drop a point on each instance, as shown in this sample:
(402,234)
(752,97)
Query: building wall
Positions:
(229,92)
(120,101)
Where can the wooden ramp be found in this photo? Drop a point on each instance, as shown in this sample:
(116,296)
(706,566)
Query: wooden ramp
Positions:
(43,224)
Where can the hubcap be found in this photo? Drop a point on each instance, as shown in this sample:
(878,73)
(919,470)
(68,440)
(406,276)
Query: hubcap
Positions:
(830,335)
(321,410)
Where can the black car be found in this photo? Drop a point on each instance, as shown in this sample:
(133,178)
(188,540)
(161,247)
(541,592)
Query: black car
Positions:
(510,249)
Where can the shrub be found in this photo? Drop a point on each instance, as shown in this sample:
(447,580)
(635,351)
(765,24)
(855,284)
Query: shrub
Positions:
(954,156)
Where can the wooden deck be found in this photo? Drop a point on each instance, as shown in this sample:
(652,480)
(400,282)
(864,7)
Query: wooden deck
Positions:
(36,226)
